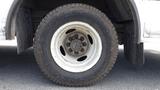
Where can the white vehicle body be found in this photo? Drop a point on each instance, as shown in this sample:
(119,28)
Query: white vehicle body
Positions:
(4,10)
(149,18)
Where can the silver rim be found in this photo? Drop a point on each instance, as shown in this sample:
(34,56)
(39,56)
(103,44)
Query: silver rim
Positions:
(76,46)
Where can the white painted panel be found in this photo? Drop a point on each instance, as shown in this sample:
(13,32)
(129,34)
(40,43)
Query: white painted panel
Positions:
(4,9)
(150,17)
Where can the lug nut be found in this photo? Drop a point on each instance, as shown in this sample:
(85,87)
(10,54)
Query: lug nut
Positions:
(75,36)
(68,44)
(76,52)
(82,50)
(84,44)
(82,38)
(70,50)
(70,39)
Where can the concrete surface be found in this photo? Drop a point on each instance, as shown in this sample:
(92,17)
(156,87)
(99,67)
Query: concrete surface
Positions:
(20,72)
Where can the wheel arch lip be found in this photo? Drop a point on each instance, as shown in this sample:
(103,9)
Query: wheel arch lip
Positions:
(136,17)
(11,18)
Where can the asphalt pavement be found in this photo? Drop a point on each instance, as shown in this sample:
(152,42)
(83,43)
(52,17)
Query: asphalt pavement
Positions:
(20,72)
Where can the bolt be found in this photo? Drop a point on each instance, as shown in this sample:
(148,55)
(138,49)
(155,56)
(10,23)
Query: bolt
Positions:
(76,52)
(70,50)
(68,44)
(84,44)
(82,38)
(82,50)
(75,36)
(70,38)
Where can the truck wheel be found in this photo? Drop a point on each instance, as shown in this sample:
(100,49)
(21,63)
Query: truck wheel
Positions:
(76,45)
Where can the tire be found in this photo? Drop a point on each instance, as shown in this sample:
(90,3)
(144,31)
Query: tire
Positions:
(62,65)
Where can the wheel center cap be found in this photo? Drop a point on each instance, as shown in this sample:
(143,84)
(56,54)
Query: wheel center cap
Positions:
(76,45)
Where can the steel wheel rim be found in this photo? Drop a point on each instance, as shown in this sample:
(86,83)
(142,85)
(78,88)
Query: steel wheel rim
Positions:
(83,61)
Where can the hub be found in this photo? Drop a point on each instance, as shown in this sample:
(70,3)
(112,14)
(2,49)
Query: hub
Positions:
(76,44)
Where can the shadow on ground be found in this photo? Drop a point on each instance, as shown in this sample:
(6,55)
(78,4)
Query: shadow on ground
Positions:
(20,72)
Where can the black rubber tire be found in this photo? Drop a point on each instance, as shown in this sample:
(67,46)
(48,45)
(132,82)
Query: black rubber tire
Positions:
(68,13)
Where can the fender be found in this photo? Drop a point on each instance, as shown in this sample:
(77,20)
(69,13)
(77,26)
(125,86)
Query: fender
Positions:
(136,18)
(10,27)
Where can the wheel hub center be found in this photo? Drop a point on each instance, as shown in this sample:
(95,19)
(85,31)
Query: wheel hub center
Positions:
(76,44)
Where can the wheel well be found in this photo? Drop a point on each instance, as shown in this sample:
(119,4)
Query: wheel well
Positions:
(120,12)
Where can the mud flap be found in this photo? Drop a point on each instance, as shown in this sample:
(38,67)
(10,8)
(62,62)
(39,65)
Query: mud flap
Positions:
(140,55)
(134,53)
(24,31)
